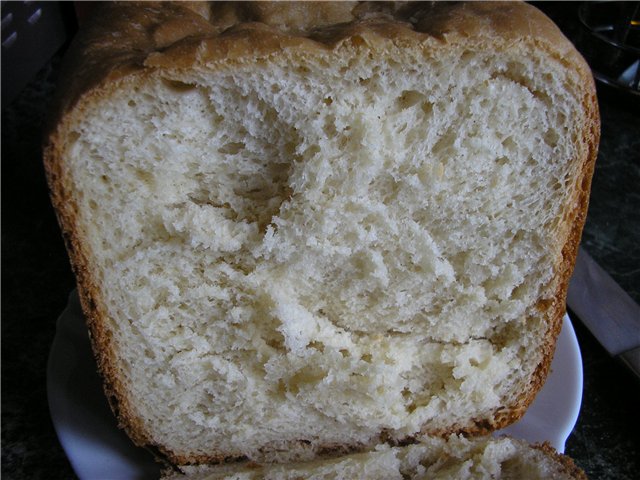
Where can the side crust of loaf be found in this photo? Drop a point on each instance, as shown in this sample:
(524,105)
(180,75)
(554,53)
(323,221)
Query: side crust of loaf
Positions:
(568,465)
(173,38)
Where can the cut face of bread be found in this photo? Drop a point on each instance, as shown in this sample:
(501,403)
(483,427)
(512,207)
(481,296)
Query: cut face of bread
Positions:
(455,458)
(287,245)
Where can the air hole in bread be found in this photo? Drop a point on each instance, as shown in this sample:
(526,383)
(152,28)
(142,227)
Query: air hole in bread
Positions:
(178,86)
(409,98)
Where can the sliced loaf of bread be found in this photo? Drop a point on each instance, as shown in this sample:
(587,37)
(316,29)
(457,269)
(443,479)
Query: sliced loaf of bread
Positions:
(308,228)
(454,458)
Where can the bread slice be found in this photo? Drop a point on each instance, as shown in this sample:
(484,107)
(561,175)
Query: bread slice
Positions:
(455,458)
(307,228)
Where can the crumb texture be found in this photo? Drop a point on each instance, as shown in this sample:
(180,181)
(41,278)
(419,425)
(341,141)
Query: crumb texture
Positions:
(315,246)
(455,458)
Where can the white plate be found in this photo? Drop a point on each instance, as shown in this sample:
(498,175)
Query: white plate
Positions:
(97,449)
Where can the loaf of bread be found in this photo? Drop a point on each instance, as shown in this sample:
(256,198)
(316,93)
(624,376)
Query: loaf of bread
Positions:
(455,458)
(302,229)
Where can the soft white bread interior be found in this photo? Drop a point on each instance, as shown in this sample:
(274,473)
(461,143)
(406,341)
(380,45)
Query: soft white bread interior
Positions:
(292,237)
(455,458)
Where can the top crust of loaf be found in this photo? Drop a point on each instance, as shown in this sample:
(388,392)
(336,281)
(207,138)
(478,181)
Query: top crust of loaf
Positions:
(126,42)
(134,37)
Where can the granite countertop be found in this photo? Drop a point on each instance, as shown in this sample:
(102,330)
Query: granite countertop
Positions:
(606,439)
(37,280)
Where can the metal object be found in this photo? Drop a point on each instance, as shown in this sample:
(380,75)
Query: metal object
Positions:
(610,41)
(607,311)
(31,33)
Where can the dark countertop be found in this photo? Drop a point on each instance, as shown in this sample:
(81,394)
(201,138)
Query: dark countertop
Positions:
(37,280)
(606,439)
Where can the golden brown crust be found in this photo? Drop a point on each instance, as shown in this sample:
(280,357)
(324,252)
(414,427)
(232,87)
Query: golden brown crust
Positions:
(567,465)
(125,42)
(575,217)
(90,298)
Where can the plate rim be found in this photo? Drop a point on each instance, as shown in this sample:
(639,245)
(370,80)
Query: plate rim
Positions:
(132,462)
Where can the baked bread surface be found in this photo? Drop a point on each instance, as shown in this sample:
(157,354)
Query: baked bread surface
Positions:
(455,458)
(306,228)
